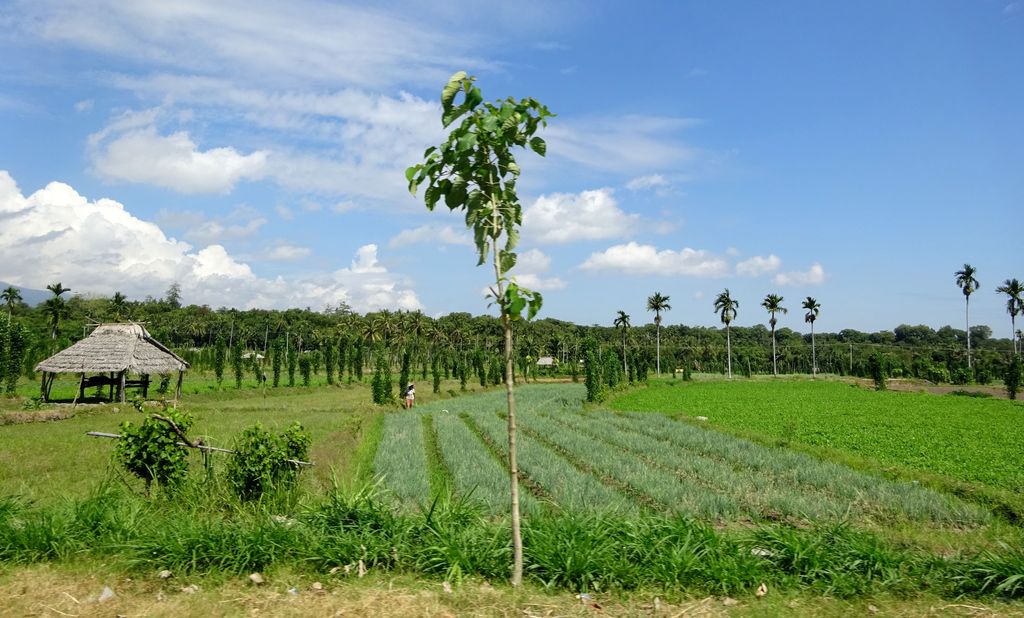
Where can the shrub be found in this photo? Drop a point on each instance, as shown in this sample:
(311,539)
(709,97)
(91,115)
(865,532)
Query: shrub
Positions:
(960,376)
(306,369)
(150,450)
(381,384)
(260,464)
(878,369)
(1012,377)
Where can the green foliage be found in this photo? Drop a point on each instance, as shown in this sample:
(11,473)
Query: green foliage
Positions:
(237,363)
(329,362)
(260,464)
(276,353)
(219,359)
(403,377)
(593,379)
(960,376)
(306,369)
(435,371)
(878,367)
(293,364)
(381,383)
(1012,377)
(150,450)
(14,343)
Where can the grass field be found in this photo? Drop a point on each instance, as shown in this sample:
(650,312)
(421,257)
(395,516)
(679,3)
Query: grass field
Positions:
(622,502)
(970,440)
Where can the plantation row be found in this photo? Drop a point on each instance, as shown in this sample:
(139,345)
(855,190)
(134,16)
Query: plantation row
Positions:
(603,461)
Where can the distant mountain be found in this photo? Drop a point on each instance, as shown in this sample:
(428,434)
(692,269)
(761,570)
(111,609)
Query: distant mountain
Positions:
(29,296)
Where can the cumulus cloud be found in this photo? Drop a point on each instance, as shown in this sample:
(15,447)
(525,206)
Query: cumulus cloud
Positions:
(99,246)
(432,234)
(758,265)
(637,259)
(631,143)
(142,155)
(814,276)
(530,269)
(570,217)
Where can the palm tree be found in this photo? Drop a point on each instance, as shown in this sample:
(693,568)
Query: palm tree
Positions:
(813,309)
(11,297)
(965,281)
(55,307)
(118,306)
(658,303)
(773,304)
(622,321)
(1014,305)
(725,307)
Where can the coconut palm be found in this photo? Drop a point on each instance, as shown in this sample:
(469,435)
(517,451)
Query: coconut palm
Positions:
(813,309)
(968,284)
(1014,306)
(622,321)
(725,307)
(11,296)
(773,304)
(658,303)
(119,307)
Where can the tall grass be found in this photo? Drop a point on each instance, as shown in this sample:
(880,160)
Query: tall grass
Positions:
(204,532)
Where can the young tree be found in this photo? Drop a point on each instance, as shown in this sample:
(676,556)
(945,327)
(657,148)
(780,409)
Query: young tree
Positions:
(967,283)
(725,307)
(1014,306)
(813,309)
(773,304)
(11,296)
(658,303)
(622,322)
(118,306)
(474,170)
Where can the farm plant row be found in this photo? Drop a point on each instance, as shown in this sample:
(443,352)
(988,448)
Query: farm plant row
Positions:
(629,462)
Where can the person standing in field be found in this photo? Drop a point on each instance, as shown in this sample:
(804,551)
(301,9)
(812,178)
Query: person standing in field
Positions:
(410,396)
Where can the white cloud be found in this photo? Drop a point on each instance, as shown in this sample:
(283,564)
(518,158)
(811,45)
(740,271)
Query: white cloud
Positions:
(530,268)
(174,162)
(100,247)
(301,42)
(758,265)
(286,253)
(84,105)
(647,182)
(569,217)
(432,234)
(629,143)
(284,212)
(227,227)
(633,258)
(814,276)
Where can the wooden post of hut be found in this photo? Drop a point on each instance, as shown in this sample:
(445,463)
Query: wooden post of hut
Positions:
(42,388)
(177,389)
(120,385)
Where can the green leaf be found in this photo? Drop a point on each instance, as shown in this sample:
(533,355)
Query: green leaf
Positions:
(507,261)
(451,89)
(538,146)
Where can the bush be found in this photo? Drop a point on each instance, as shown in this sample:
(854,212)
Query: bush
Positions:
(381,384)
(1012,377)
(260,464)
(960,376)
(305,369)
(878,369)
(150,450)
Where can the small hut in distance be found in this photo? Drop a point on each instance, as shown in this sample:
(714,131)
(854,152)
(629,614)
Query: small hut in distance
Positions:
(108,356)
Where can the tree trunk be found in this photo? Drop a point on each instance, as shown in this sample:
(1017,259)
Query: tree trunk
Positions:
(517,539)
(775,367)
(625,369)
(814,354)
(658,345)
(967,320)
(728,349)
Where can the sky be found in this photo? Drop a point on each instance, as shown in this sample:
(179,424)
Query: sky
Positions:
(254,152)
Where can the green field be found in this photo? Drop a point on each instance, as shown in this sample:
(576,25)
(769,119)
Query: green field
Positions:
(602,461)
(965,439)
(615,500)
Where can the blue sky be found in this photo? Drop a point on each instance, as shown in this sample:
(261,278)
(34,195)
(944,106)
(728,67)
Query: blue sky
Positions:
(858,152)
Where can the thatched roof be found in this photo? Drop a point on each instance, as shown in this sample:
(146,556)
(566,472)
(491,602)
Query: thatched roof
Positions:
(115,348)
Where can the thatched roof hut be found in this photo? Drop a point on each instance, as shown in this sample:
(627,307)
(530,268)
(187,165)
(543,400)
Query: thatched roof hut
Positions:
(117,350)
